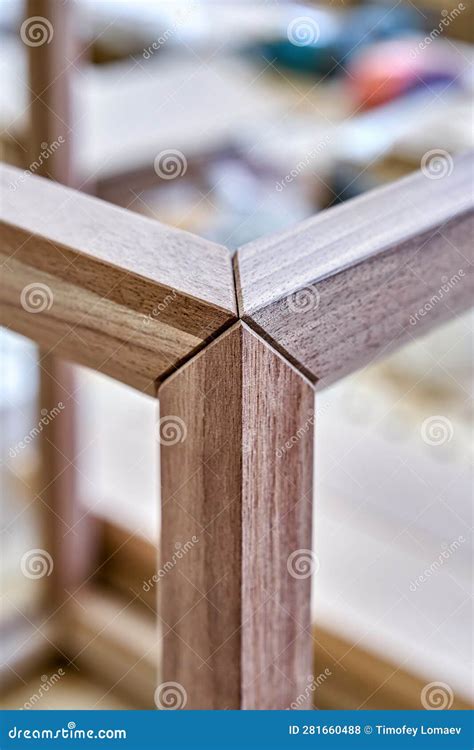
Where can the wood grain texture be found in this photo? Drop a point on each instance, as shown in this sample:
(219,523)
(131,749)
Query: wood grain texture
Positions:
(277,481)
(347,286)
(236,623)
(124,294)
(50,80)
(69,531)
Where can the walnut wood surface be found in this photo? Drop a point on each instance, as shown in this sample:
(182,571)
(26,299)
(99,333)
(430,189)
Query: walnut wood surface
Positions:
(342,288)
(131,298)
(134,299)
(236,624)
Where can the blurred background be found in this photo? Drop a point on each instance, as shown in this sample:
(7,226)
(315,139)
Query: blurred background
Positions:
(234,120)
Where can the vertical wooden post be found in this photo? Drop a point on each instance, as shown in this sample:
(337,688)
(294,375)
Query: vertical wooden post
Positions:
(69,533)
(236,434)
(50,81)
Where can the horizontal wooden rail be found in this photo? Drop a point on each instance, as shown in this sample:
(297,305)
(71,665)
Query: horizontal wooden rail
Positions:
(105,287)
(359,279)
(134,299)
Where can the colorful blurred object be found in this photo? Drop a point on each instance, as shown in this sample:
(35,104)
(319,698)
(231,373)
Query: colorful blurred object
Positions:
(390,69)
(321,41)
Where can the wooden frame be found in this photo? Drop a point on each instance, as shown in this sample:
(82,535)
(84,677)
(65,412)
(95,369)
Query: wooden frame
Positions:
(236,391)
(340,289)
(131,300)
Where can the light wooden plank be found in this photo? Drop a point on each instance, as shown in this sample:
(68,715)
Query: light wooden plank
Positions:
(346,287)
(98,633)
(27,646)
(236,506)
(121,293)
(361,679)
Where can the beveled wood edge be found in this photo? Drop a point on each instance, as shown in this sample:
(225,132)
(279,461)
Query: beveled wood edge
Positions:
(305,340)
(215,340)
(171,258)
(110,272)
(431,234)
(272,268)
(335,259)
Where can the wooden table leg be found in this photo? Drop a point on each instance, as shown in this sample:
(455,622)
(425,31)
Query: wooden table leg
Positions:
(51,73)
(236,435)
